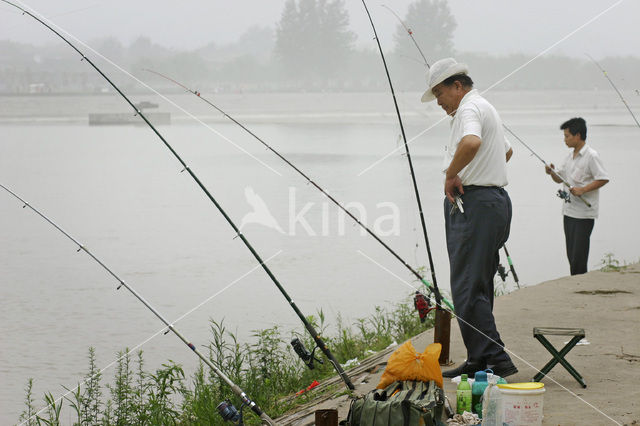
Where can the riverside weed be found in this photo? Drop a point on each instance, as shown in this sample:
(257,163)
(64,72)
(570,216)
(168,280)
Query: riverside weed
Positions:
(29,411)
(609,263)
(267,370)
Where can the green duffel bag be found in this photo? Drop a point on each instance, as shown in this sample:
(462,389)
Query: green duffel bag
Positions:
(406,403)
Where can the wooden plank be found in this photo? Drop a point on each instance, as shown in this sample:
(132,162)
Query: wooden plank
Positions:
(356,374)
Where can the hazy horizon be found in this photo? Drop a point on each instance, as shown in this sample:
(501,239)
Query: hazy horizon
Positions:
(506,27)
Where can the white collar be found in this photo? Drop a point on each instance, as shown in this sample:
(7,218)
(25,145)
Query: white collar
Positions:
(467,97)
(582,151)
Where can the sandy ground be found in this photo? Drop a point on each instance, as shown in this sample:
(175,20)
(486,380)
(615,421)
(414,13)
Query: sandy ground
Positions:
(605,304)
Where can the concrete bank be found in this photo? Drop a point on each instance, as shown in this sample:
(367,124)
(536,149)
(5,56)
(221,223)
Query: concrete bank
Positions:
(605,304)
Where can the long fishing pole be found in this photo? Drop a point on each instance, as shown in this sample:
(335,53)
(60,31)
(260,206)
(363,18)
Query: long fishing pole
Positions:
(316,337)
(436,291)
(545,163)
(121,283)
(615,88)
(305,176)
(511,267)
(410,32)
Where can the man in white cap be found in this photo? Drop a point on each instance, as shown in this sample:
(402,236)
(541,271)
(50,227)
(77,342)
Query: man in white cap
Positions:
(477,212)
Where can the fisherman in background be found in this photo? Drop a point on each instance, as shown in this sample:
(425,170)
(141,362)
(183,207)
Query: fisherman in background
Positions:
(477,212)
(584,171)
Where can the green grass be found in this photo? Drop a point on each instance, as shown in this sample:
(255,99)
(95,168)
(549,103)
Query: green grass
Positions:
(609,263)
(267,370)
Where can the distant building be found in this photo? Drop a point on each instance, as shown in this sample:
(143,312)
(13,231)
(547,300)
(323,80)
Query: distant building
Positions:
(39,88)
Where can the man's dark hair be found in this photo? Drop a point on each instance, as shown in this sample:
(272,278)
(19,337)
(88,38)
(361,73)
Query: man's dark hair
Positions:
(575,126)
(464,79)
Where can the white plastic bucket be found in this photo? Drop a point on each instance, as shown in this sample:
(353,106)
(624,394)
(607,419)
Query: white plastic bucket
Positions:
(522,403)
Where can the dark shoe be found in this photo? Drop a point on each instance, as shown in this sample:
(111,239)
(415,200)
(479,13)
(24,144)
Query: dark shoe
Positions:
(468,367)
(503,368)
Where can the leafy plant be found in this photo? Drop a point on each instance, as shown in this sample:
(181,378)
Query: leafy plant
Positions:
(29,411)
(268,371)
(165,385)
(91,400)
(122,391)
(53,411)
(609,263)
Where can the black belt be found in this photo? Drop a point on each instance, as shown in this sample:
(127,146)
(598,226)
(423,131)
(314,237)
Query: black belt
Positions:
(468,188)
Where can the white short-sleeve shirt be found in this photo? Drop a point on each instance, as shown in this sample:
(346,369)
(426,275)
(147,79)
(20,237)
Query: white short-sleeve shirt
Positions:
(581,171)
(476,116)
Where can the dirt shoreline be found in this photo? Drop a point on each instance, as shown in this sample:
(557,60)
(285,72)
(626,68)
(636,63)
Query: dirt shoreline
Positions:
(605,304)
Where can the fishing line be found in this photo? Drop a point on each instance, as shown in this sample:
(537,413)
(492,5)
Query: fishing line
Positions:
(121,283)
(305,176)
(164,330)
(314,334)
(436,291)
(502,346)
(512,268)
(615,88)
(381,159)
(161,331)
(52,24)
(545,163)
(498,82)
(560,194)
(410,32)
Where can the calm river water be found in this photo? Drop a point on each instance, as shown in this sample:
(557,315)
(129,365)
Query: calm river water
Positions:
(119,192)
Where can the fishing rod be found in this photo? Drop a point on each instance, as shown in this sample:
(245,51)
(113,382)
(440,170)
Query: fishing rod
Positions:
(561,194)
(436,291)
(502,271)
(511,267)
(306,177)
(314,334)
(503,274)
(410,32)
(615,88)
(121,283)
(442,326)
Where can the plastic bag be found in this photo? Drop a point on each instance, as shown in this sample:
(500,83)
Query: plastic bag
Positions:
(406,364)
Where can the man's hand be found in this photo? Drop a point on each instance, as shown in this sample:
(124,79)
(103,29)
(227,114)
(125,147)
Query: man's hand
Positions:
(577,190)
(453,187)
(467,149)
(549,169)
(581,190)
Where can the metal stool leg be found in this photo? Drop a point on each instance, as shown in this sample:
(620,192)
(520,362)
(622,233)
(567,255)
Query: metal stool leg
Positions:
(558,357)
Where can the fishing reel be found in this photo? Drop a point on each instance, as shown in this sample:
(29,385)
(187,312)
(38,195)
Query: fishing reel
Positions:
(422,305)
(502,272)
(229,413)
(307,357)
(564,195)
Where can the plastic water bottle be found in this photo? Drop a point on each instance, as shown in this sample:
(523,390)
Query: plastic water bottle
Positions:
(463,396)
(479,385)
(492,404)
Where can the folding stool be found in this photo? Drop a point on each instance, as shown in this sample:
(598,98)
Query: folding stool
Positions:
(558,357)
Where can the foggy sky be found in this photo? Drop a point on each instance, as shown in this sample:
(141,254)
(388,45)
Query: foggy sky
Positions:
(490,26)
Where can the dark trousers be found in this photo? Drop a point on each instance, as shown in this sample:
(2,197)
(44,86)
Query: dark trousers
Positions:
(473,240)
(577,233)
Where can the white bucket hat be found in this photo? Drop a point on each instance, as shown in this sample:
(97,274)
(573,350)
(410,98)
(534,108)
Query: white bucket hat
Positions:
(439,72)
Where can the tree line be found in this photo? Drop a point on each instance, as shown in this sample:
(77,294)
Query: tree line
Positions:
(311,48)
